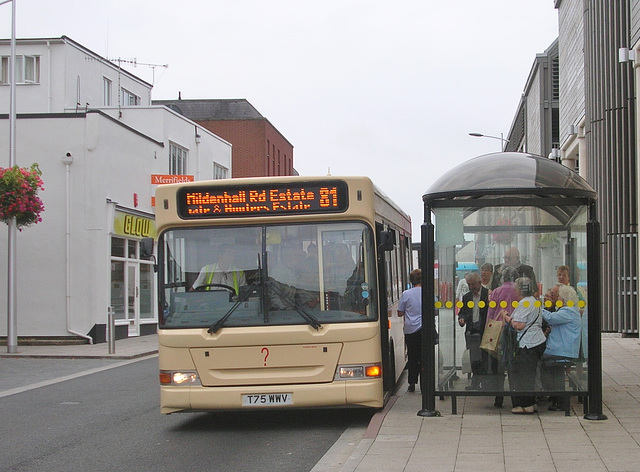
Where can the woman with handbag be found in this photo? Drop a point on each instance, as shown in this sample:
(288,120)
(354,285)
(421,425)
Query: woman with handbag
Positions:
(500,301)
(526,319)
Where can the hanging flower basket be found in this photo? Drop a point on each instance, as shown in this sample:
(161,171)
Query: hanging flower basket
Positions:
(19,195)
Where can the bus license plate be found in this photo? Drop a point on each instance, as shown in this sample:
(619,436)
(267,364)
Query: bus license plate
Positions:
(267,399)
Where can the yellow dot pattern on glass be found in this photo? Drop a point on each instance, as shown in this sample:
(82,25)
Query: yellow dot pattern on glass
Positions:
(503,304)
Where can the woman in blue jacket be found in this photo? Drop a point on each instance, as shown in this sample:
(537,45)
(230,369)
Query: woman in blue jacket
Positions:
(563,343)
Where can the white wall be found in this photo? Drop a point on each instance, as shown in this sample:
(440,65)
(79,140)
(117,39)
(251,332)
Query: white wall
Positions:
(69,74)
(164,124)
(110,161)
(115,151)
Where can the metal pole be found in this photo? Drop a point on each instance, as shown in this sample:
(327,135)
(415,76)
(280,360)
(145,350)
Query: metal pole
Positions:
(12,293)
(428,364)
(594,322)
(111,330)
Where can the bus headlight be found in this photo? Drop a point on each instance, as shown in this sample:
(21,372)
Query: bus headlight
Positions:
(355,372)
(179,378)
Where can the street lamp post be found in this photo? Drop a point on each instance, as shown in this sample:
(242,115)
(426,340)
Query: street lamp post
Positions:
(12,312)
(503,140)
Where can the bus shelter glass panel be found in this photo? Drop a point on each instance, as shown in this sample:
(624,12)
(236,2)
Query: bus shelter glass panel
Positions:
(268,275)
(528,263)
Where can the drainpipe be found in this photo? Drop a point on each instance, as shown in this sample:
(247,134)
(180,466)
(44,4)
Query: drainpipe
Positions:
(67,160)
(49,98)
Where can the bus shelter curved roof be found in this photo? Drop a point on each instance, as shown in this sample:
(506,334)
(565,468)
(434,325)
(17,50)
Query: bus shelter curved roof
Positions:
(512,179)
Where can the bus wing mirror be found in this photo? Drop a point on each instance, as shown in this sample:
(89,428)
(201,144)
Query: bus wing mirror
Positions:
(386,241)
(146,248)
(146,251)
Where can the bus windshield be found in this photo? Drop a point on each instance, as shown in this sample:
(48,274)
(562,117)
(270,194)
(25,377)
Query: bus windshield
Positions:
(267,275)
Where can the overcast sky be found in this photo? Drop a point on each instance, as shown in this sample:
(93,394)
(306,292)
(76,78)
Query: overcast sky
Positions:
(384,89)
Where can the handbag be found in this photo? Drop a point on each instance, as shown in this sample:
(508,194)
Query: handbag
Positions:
(491,337)
(508,345)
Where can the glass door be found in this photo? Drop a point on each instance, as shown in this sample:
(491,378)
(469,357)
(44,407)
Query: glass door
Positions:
(133,315)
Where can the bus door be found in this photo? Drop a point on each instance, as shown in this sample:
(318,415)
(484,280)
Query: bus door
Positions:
(388,369)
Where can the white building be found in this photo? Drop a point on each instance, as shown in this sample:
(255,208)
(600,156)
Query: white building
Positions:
(102,149)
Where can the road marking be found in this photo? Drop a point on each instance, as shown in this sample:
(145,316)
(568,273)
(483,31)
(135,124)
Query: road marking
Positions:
(46,383)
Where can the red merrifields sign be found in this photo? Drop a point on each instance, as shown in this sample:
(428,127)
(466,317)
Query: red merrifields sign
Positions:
(160,179)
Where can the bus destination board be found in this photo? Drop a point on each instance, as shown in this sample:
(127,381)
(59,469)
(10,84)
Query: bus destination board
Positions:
(209,201)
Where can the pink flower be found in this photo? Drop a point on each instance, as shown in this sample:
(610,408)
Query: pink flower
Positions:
(20,201)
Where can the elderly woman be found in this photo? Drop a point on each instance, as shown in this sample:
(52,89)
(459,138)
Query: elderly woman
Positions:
(563,343)
(486,273)
(526,319)
(501,300)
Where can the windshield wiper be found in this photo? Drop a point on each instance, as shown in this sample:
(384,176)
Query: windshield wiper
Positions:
(312,320)
(218,324)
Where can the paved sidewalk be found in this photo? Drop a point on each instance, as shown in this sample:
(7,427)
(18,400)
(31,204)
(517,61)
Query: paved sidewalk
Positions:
(128,348)
(481,437)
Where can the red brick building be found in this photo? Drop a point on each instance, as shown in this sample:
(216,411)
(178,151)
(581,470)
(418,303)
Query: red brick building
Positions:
(259,149)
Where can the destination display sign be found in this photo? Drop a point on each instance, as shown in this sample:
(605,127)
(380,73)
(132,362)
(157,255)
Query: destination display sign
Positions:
(209,201)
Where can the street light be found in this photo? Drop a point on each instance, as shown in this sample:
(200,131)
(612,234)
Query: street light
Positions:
(503,140)
(12,312)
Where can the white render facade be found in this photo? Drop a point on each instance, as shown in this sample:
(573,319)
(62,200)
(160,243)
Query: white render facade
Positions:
(100,164)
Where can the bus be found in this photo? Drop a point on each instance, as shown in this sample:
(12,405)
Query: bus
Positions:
(279,292)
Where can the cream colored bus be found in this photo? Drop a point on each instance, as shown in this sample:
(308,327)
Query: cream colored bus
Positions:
(277,293)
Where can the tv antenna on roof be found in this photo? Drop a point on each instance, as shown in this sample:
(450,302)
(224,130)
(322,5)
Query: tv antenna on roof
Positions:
(135,63)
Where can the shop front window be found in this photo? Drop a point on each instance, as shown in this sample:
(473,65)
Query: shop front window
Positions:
(132,282)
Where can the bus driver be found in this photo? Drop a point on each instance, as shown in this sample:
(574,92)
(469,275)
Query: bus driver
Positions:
(223,272)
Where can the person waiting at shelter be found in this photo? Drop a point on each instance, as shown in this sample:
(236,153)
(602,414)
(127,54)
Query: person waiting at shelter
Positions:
(225,272)
(461,289)
(512,259)
(473,316)
(526,319)
(505,295)
(563,343)
(410,307)
(501,298)
(551,298)
(564,278)
(486,274)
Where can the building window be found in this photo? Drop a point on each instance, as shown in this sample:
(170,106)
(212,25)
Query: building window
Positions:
(27,69)
(129,99)
(107,87)
(177,160)
(220,172)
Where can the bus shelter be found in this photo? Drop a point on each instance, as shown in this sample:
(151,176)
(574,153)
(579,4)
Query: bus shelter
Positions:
(531,224)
